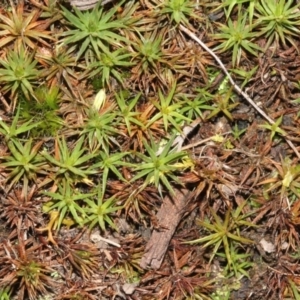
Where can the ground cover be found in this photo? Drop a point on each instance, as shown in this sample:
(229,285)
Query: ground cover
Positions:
(149,149)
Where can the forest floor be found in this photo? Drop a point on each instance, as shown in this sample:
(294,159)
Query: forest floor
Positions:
(136,163)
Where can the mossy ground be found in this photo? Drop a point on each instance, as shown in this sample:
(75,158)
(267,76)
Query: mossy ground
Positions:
(92,104)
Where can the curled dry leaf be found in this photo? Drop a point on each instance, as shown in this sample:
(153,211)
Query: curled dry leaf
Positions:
(87,4)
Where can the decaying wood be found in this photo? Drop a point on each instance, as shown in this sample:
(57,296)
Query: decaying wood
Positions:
(168,218)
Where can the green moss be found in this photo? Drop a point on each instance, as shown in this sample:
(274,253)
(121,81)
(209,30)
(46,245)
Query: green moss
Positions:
(43,111)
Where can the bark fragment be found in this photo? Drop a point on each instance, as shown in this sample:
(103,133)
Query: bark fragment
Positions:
(168,217)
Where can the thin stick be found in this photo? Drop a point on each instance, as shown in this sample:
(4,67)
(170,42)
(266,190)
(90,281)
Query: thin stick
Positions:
(236,87)
(202,141)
